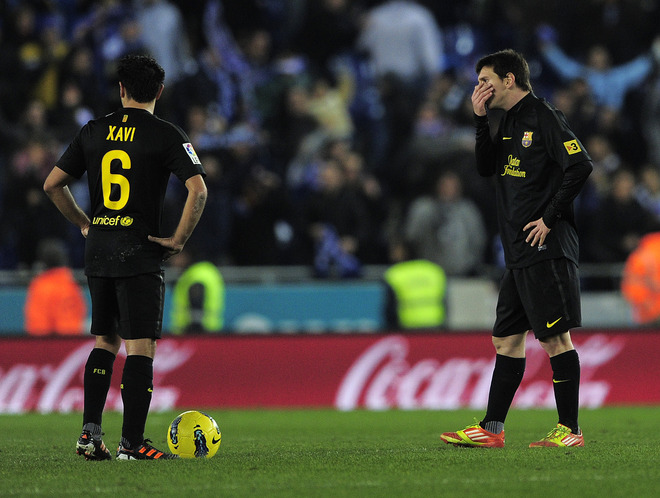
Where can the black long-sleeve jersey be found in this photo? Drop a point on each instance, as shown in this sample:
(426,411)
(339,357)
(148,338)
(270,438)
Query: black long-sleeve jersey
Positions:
(128,156)
(539,168)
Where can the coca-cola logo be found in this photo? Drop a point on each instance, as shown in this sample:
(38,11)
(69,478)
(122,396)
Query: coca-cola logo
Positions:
(418,371)
(383,377)
(58,387)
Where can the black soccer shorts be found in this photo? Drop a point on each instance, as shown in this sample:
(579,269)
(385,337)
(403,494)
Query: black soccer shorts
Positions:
(544,297)
(129,306)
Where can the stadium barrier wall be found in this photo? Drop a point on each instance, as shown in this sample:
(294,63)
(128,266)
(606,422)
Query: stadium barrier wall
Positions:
(345,306)
(357,371)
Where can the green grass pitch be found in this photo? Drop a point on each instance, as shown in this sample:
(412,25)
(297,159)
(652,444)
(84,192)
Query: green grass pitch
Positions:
(299,453)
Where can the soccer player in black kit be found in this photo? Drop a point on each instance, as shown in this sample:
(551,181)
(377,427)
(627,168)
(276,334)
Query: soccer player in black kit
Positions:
(539,167)
(128,157)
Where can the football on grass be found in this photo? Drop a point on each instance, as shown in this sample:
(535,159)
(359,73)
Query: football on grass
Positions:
(193,434)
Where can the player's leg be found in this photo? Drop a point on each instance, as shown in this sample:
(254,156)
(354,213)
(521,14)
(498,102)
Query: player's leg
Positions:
(565,364)
(507,376)
(141,308)
(509,335)
(136,389)
(559,311)
(98,368)
(97,378)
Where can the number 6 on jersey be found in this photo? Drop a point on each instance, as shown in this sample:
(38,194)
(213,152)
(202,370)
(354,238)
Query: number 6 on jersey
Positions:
(108,179)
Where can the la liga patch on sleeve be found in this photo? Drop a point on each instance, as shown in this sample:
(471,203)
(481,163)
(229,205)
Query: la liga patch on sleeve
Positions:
(190,150)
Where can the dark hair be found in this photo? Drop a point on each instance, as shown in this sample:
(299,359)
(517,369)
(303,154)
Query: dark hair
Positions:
(141,76)
(505,62)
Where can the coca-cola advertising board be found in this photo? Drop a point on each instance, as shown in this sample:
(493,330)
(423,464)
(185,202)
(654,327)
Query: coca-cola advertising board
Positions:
(405,371)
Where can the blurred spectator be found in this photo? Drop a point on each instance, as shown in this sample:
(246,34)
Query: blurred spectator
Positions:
(27,215)
(109,29)
(576,102)
(605,163)
(127,39)
(211,242)
(329,105)
(243,154)
(610,22)
(263,229)
(198,297)
(606,158)
(78,70)
(403,39)
(403,42)
(244,71)
(53,50)
(291,127)
(336,222)
(302,173)
(447,228)
(647,191)
(368,189)
(609,83)
(414,295)
(33,123)
(212,87)
(373,125)
(329,28)
(438,142)
(71,113)
(619,222)
(164,34)
(259,82)
(21,46)
(640,284)
(208,130)
(650,115)
(55,303)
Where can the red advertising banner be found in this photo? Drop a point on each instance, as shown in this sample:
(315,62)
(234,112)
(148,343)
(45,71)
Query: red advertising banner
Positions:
(412,371)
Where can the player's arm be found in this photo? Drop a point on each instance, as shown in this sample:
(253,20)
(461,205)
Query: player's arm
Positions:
(56,188)
(575,177)
(484,147)
(192,212)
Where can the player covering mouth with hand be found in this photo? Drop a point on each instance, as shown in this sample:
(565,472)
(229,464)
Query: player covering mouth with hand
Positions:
(539,167)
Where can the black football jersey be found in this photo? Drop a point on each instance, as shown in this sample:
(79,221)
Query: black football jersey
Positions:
(128,156)
(527,152)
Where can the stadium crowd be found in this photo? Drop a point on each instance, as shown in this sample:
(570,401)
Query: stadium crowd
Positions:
(334,133)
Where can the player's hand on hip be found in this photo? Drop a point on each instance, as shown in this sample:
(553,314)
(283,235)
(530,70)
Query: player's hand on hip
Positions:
(539,231)
(168,243)
(482,92)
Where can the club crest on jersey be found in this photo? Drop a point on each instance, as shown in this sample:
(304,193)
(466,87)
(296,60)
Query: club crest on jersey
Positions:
(527,138)
(191,153)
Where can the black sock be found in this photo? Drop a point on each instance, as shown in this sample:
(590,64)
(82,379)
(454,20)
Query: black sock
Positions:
(136,388)
(507,375)
(566,383)
(96,382)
